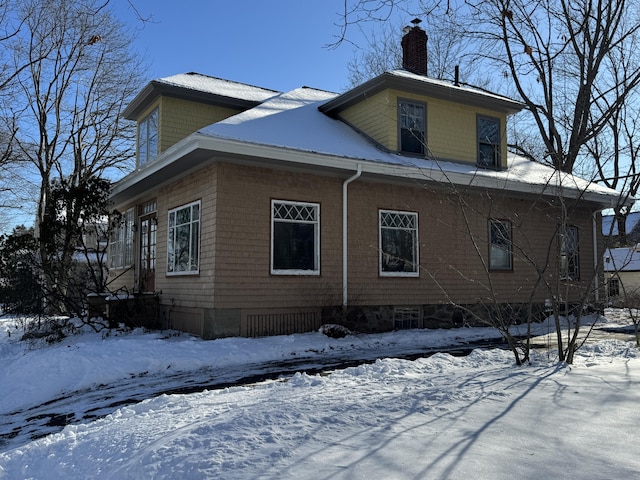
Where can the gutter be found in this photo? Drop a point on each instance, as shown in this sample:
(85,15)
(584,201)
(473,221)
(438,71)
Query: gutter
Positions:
(201,148)
(344,232)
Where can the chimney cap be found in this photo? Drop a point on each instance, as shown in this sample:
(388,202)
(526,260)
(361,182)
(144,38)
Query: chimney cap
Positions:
(416,22)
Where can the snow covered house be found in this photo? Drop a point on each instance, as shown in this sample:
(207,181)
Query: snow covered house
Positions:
(256,212)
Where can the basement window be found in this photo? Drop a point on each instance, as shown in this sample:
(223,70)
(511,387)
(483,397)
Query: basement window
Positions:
(295,238)
(406,318)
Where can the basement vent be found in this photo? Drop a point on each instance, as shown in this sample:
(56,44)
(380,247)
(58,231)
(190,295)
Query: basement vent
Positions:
(406,318)
(262,325)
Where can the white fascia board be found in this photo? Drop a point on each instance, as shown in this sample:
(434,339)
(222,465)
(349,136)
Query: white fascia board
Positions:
(500,181)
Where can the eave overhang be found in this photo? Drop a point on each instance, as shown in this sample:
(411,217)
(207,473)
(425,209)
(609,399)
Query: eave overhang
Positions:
(421,86)
(198,151)
(156,89)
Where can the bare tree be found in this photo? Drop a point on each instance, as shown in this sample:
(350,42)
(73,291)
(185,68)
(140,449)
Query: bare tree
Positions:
(66,104)
(447,56)
(575,65)
(616,154)
(562,57)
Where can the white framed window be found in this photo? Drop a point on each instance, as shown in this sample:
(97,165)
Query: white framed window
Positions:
(398,232)
(411,127)
(121,241)
(489,148)
(295,238)
(148,138)
(183,242)
(500,253)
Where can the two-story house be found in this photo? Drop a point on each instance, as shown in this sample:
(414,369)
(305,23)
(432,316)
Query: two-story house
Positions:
(394,204)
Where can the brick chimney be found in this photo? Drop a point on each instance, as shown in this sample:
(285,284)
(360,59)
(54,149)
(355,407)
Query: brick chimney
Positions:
(414,49)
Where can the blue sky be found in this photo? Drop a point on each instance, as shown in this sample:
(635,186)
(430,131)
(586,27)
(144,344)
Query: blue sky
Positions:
(277,44)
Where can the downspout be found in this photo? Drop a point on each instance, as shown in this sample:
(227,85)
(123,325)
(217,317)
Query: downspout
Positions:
(344,232)
(596,259)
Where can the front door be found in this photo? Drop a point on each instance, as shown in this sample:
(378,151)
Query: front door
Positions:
(148,228)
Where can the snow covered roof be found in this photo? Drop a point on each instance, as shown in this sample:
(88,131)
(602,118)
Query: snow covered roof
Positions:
(291,129)
(623,259)
(419,84)
(195,86)
(292,121)
(218,86)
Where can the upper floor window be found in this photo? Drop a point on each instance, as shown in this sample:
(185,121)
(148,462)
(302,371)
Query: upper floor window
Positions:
(183,243)
(569,252)
(411,122)
(148,138)
(488,130)
(295,238)
(398,243)
(500,255)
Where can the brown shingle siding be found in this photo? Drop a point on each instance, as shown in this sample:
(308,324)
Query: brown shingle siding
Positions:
(235,243)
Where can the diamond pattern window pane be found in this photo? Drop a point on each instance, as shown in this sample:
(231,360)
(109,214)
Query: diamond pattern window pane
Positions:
(295,238)
(295,212)
(398,243)
(397,220)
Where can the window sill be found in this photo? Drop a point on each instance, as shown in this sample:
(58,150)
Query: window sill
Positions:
(399,274)
(180,274)
(297,273)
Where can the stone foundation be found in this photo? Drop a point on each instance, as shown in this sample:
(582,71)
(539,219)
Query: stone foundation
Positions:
(384,318)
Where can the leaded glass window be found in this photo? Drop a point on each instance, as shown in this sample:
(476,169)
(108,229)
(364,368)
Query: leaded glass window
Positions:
(500,254)
(183,244)
(569,252)
(295,238)
(398,243)
(121,240)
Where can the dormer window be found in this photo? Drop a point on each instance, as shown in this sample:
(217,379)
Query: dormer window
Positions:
(411,122)
(148,138)
(488,129)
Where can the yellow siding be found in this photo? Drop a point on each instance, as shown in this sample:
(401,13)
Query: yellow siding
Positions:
(451,130)
(451,127)
(180,118)
(376,117)
(144,115)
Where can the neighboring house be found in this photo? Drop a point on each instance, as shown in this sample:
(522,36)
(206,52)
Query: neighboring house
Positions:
(612,234)
(622,276)
(255,212)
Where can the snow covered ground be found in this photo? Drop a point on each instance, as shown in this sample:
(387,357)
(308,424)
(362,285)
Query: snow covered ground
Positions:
(442,417)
